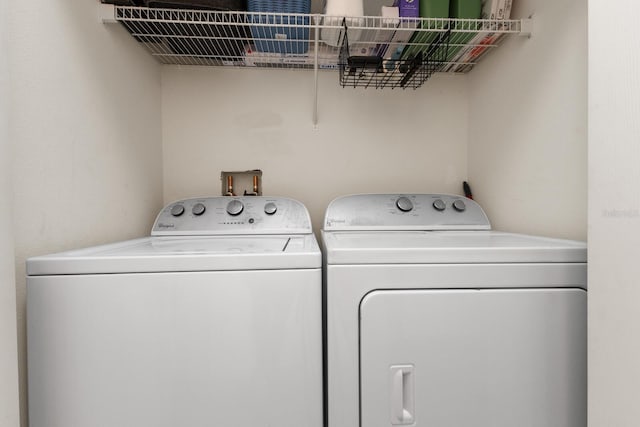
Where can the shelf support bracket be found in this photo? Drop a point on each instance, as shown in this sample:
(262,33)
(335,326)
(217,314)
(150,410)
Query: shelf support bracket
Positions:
(108,13)
(315,70)
(526,27)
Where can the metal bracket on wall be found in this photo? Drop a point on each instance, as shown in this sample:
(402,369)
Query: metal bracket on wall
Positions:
(526,27)
(107,13)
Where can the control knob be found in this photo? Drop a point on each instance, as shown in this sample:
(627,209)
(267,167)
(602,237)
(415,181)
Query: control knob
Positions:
(235,207)
(439,205)
(270,208)
(177,210)
(198,209)
(459,205)
(404,204)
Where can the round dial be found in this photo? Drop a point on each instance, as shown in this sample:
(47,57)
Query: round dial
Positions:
(459,205)
(198,209)
(439,205)
(404,204)
(177,210)
(270,208)
(235,207)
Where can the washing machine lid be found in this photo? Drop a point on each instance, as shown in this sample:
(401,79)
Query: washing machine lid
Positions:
(185,253)
(448,247)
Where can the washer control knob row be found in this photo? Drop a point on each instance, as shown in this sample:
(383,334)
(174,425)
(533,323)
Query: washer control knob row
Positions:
(177,210)
(439,205)
(459,205)
(235,207)
(270,208)
(198,209)
(404,204)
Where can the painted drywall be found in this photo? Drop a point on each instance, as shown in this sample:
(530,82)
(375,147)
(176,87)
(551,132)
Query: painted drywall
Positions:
(9,407)
(85,131)
(614,214)
(366,140)
(528,124)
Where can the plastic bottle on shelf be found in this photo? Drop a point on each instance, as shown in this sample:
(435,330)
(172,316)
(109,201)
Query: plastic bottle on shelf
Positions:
(336,11)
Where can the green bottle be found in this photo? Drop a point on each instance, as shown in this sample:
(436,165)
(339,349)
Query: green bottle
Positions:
(428,9)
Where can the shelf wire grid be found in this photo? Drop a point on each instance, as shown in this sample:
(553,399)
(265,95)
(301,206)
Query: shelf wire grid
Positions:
(276,40)
(396,64)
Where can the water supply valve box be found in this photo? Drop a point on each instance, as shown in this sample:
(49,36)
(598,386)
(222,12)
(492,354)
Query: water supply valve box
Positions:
(247,183)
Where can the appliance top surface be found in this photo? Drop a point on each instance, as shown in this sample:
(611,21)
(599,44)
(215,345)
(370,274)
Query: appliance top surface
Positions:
(185,253)
(203,234)
(427,229)
(248,215)
(404,212)
(450,247)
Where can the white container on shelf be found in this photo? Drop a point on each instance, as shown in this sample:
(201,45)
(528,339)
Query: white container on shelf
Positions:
(336,11)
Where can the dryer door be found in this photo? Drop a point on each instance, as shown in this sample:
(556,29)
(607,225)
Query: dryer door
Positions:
(481,358)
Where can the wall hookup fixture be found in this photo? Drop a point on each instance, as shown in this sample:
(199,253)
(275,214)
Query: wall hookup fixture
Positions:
(244,183)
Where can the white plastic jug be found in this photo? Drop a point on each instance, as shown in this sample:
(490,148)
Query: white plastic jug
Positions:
(336,11)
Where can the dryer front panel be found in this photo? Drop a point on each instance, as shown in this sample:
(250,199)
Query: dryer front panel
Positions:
(482,358)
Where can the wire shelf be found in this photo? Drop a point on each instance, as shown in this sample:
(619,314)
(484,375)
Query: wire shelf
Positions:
(388,67)
(313,41)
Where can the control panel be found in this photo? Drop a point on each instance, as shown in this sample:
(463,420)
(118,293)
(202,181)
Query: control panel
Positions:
(405,212)
(232,215)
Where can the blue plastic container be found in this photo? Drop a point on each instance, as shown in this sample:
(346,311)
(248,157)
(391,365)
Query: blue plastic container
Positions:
(280,39)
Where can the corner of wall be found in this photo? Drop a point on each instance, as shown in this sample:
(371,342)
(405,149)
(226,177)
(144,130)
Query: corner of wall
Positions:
(9,400)
(528,125)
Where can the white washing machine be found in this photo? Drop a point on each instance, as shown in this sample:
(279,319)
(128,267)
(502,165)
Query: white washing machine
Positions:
(214,320)
(435,320)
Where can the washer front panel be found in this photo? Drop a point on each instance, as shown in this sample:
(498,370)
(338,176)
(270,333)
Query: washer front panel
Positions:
(176,349)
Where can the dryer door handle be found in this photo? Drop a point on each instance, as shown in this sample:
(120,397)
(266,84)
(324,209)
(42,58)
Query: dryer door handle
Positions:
(402,398)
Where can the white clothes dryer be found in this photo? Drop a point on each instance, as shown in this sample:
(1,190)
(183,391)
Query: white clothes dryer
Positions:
(213,320)
(433,319)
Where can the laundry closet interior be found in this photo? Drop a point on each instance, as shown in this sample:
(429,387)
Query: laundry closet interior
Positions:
(105,135)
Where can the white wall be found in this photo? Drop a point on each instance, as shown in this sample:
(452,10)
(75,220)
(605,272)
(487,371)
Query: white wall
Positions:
(528,124)
(366,140)
(614,214)
(9,409)
(86,134)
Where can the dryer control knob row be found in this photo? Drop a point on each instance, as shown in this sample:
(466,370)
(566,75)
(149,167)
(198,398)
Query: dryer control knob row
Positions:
(270,208)
(235,207)
(404,204)
(198,209)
